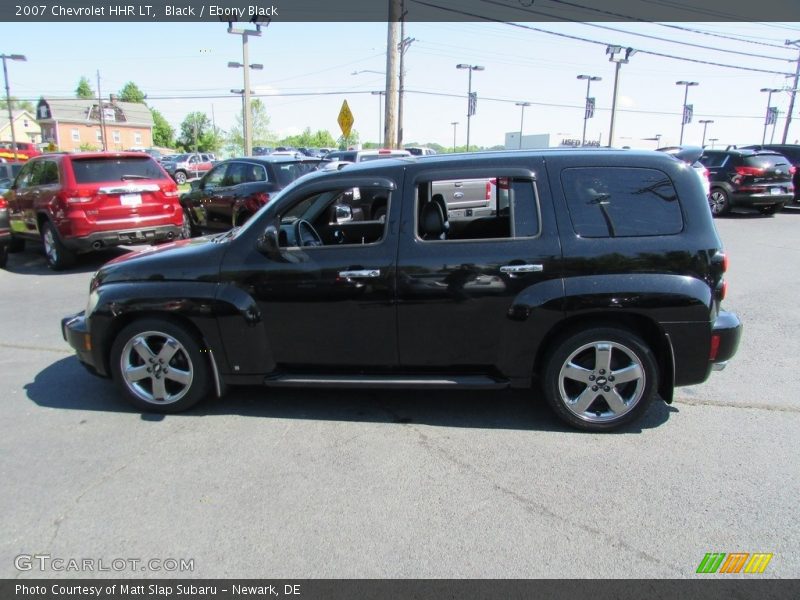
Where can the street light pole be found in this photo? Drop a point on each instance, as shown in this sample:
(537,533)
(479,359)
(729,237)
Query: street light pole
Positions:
(522,105)
(247,117)
(705,123)
(454,124)
(470,69)
(615,55)
(589,79)
(686,85)
(766,117)
(712,140)
(6,57)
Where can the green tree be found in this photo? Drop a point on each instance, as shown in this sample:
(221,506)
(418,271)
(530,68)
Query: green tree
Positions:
(84,89)
(261,134)
(17,104)
(319,139)
(343,143)
(130,92)
(197,132)
(163,133)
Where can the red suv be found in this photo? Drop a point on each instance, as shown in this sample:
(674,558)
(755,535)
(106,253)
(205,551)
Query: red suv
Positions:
(77,203)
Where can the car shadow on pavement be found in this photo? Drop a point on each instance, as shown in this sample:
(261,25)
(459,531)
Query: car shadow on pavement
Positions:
(31,261)
(66,385)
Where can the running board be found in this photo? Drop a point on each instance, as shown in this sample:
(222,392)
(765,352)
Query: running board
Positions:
(388,381)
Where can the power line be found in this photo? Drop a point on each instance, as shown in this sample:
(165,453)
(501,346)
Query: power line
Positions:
(619,15)
(591,41)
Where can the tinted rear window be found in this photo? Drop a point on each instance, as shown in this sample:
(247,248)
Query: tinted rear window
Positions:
(621,202)
(766,161)
(286,173)
(101,170)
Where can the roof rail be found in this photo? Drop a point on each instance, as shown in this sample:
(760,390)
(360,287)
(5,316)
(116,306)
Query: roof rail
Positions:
(731,147)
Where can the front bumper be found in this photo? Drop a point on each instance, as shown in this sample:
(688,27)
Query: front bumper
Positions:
(76,333)
(728,329)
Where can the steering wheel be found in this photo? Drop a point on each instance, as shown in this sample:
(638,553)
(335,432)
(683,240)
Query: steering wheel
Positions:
(305,234)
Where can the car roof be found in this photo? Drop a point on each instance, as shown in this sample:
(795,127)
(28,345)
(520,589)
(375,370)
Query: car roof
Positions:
(276,158)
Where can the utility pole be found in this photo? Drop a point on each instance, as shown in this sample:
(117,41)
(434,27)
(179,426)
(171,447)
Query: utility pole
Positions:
(102,113)
(796,44)
(404,45)
(8,99)
(247,117)
(454,124)
(392,60)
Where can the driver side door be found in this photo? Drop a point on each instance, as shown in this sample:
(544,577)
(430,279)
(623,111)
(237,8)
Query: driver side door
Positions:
(329,306)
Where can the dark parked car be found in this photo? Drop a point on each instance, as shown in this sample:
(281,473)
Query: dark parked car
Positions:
(8,172)
(790,151)
(600,278)
(750,179)
(76,203)
(235,189)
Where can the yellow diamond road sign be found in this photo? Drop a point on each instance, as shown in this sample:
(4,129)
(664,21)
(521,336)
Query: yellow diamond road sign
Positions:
(345,119)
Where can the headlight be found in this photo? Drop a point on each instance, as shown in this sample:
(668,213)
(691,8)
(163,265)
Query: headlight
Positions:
(94,297)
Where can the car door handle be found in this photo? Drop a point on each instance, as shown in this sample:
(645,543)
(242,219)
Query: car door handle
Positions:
(360,274)
(516,269)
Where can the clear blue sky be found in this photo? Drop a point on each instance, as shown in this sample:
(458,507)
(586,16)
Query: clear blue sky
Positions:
(190,59)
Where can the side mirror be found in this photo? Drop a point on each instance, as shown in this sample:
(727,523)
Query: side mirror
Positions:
(268,242)
(344,214)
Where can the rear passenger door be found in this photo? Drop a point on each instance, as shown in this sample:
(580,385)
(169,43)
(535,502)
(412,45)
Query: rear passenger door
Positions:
(458,291)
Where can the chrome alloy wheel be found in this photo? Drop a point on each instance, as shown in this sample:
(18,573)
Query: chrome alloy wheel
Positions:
(717,202)
(156,368)
(50,249)
(601,381)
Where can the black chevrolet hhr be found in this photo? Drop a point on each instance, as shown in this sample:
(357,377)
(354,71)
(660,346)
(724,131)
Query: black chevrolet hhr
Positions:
(597,281)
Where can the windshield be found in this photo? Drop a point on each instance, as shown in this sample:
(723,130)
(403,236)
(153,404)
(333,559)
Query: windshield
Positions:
(179,158)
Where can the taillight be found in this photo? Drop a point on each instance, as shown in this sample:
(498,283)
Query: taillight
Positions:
(792,170)
(3,202)
(489,189)
(744,171)
(76,196)
(170,191)
(706,173)
(714,350)
(722,290)
(261,198)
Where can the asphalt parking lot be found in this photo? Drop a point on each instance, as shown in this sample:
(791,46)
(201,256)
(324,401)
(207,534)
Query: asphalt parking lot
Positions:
(286,483)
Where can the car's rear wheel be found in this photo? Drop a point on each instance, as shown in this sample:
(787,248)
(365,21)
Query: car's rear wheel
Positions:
(601,378)
(180,177)
(719,202)
(187,230)
(58,256)
(159,366)
(771,210)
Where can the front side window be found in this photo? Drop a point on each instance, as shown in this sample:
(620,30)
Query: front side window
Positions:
(621,202)
(336,217)
(215,176)
(117,137)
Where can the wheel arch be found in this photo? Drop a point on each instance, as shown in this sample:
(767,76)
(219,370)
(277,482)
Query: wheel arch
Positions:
(646,328)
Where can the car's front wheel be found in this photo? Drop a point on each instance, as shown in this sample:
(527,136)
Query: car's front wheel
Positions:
(159,365)
(58,256)
(719,202)
(600,378)
(180,177)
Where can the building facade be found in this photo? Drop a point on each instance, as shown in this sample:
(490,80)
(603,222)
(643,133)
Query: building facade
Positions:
(75,124)
(26,129)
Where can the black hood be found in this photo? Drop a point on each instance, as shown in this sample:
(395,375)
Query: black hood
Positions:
(196,259)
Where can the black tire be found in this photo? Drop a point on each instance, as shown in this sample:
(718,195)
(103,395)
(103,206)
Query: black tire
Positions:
(719,202)
(771,210)
(242,218)
(600,356)
(180,177)
(58,256)
(140,386)
(3,255)
(17,244)
(187,226)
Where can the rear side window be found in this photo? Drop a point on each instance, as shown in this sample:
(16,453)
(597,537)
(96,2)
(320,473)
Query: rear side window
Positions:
(621,202)
(100,170)
(714,160)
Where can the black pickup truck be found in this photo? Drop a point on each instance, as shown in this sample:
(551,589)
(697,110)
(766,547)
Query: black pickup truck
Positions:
(597,282)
